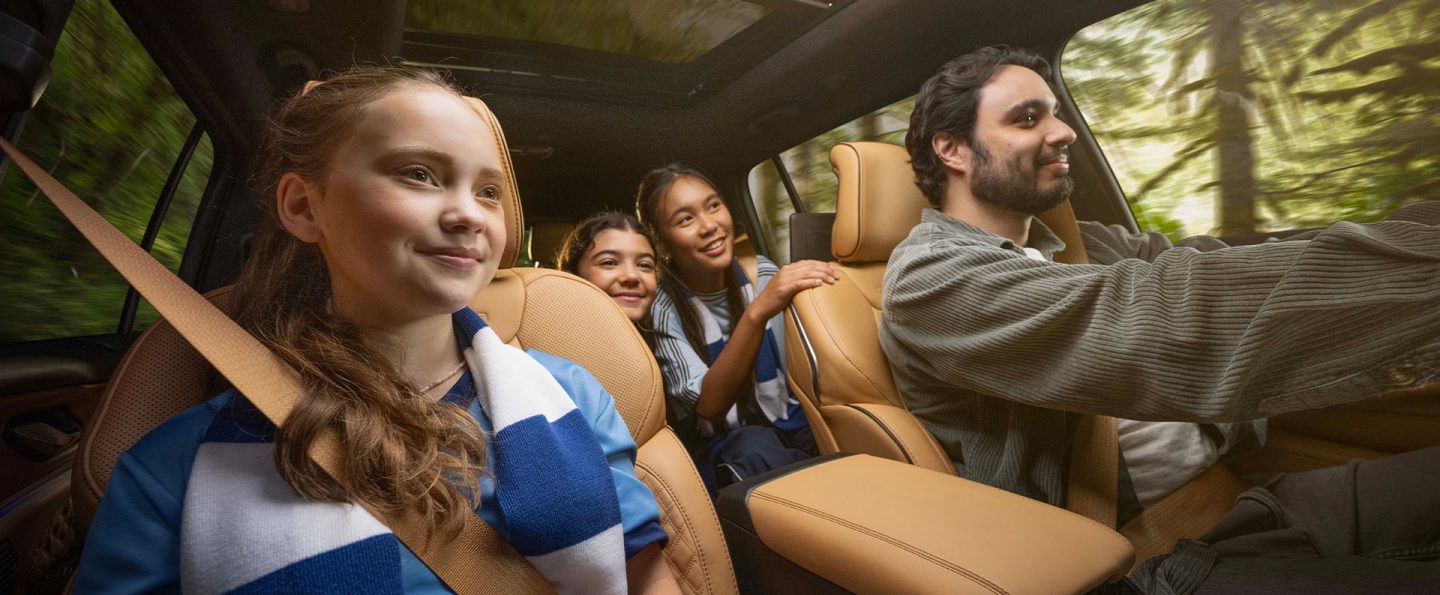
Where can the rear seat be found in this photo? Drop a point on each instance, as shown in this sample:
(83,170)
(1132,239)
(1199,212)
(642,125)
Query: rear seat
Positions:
(546,238)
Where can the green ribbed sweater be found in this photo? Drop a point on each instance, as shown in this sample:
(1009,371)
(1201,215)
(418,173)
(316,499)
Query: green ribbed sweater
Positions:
(994,352)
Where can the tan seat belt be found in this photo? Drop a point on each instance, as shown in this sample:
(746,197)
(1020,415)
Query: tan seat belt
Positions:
(1094,483)
(1093,489)
(476,561)
(1188,512)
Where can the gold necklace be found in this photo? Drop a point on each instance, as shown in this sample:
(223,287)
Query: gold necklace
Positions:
(447,376)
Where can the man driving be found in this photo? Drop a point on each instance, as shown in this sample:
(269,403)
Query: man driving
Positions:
(998,350)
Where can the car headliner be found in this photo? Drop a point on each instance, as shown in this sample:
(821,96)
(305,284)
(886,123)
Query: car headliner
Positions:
(233,60)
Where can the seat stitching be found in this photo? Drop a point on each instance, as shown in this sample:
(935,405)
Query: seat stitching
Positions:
(710,519)
(824,320)
(938,561)
(679,509)
(684,516)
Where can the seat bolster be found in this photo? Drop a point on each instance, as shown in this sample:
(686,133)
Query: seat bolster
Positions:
(877,526)
(159,377)
(839,321)
(800,377)
(696,553)
(888,432)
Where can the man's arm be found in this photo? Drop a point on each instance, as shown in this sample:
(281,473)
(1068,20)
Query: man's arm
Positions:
(1233,334)
(1109,244)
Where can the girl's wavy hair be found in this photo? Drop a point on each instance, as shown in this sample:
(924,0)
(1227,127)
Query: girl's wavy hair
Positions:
(401,450)
(582,238)
(648,199)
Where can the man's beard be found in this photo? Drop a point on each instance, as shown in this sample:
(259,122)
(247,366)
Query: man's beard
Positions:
(1006,185)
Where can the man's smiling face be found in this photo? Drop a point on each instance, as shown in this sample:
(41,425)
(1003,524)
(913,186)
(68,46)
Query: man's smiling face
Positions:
(1021,149)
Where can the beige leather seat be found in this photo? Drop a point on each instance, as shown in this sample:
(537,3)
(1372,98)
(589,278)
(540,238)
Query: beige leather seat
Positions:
(547,310)
(834,362)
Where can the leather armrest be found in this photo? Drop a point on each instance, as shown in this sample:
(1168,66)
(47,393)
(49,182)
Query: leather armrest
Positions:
(868,524)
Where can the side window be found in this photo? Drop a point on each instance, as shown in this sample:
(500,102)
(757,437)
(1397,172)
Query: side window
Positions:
(808,166)
(111,128)
(1248,117)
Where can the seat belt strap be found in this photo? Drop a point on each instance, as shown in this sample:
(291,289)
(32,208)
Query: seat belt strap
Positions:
(478,560)
(1095,470)
(1189,512)
(1093,490)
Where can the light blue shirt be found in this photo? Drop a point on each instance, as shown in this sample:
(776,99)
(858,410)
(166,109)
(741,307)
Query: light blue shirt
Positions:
(134,542)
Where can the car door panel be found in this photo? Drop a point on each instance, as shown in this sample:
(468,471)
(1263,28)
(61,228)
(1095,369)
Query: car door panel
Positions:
(1395,422)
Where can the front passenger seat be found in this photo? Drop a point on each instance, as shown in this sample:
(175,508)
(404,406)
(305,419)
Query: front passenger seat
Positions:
(548,310)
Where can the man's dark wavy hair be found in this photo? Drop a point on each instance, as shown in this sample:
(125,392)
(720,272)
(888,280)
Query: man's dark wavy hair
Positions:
(947,103)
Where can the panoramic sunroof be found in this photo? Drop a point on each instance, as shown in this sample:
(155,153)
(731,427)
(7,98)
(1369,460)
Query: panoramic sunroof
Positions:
(672,31)
(653,52)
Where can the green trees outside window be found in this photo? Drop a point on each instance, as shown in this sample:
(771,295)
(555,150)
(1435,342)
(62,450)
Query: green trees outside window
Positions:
(110,127)
(1236,117)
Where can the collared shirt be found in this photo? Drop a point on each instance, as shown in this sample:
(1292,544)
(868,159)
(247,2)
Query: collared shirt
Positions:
(996,353)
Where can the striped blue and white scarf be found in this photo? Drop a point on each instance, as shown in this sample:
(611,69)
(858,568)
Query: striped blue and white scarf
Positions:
(244,530)
(771,394)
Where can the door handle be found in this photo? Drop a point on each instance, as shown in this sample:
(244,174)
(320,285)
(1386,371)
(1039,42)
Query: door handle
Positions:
(42,437)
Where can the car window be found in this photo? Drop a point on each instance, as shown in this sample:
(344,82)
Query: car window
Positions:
(1244,117)
(808,166)
(110,127)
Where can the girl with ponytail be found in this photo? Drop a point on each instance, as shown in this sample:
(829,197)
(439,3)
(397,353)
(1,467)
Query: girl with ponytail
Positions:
(384,194)
(718,329)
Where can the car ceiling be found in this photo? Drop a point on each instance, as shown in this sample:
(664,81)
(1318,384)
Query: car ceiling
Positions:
(235,60)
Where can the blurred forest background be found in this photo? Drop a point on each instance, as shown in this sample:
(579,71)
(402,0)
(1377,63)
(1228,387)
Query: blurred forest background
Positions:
(110,127)
(1228,117)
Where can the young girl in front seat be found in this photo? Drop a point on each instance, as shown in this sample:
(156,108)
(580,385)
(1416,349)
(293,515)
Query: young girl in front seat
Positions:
(384,199)
(718,331)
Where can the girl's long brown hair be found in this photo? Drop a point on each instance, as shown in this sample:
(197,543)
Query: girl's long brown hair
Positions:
(648,199)
(402,451)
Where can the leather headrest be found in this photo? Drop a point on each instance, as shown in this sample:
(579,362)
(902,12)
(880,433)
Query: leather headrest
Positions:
(878,201)
(514,216)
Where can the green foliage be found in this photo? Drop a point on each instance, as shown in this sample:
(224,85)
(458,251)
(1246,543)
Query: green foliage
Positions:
(1342,102)
(809,167)
(110,127)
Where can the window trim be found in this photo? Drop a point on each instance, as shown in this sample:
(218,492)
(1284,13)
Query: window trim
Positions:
(157,218)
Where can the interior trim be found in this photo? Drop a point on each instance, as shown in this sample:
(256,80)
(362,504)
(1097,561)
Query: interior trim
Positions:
(893,438)
(733,504)
(809,352)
